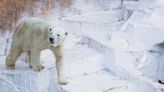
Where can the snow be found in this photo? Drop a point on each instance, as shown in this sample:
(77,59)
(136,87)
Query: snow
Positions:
(130,5)
(140,57)
(76,59)
(96,16)
(108,49)
(98,82)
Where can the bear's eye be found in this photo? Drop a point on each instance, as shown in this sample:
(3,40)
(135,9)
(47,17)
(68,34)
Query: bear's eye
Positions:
(58,35)
(50,29)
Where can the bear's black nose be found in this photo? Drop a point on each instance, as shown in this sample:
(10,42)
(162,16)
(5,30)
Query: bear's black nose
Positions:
(51,40)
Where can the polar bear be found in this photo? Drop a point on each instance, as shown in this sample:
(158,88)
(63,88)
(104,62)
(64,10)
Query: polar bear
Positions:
(33,35)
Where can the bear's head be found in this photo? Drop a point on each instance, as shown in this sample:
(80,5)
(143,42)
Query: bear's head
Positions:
(55,36)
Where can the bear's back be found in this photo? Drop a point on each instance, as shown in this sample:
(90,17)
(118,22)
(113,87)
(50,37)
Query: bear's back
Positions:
(27,29)
(31,24)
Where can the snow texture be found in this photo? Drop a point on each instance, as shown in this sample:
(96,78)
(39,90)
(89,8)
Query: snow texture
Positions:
(140,57)
(110,48)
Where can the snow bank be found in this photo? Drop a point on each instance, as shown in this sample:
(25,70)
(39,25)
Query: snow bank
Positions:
(146,34)
(28,81)
(97,25)
(140,58)
(23,79)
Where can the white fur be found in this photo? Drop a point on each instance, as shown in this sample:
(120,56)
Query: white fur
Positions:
(32,35)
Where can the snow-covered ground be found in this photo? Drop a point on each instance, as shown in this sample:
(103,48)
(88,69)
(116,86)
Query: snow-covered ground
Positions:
(84,69)
(108,49)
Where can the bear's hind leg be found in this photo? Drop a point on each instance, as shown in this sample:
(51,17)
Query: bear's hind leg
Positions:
(29,58)
(12,58)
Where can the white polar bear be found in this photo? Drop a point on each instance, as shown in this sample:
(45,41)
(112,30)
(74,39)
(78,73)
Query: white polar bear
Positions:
(32,36)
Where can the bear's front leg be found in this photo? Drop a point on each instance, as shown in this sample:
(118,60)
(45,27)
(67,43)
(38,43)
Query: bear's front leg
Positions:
(59,65)
(35,60)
